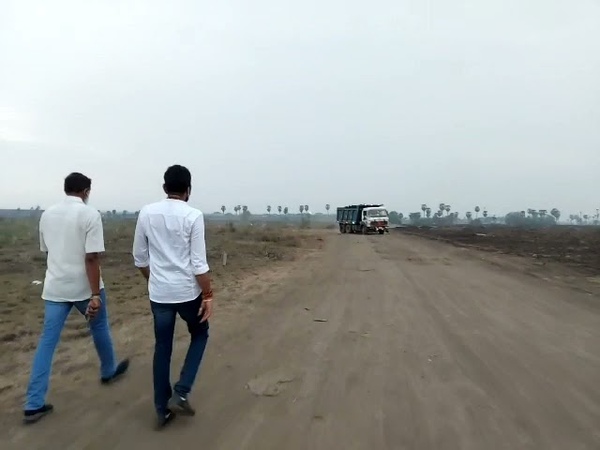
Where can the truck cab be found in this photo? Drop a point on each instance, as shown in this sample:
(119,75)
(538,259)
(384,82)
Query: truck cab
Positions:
(375,219)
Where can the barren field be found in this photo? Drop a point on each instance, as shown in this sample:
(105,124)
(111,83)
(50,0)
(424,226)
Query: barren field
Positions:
(330,341)
(249,252)
(577,247)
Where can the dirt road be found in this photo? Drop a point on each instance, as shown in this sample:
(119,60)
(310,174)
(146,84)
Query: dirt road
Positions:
(380,342)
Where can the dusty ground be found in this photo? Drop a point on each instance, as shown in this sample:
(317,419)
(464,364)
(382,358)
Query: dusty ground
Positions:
(374,342)
(249,251)
(576,246)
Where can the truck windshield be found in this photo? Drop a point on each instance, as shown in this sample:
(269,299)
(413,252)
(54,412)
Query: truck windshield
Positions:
(377,213)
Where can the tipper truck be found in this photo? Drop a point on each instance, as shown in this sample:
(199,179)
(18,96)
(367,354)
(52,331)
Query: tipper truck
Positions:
(363,219)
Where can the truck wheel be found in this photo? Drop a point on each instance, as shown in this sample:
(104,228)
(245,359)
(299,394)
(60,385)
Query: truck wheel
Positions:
(381,231)
(342,229)
(348,228)
(364,230)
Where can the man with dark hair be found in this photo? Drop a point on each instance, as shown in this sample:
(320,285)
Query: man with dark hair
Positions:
(71,235)
(170,251)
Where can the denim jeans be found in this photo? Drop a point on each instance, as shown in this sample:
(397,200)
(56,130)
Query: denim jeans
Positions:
(165,315)
(55,315)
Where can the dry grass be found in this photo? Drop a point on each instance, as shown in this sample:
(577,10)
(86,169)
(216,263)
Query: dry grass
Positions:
(253,253)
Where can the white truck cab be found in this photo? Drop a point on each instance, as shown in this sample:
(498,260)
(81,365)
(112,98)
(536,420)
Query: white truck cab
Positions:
(375,219)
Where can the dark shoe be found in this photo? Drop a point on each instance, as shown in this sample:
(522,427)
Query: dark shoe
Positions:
(33,415)
(181,405)
(121,370)
(165,419)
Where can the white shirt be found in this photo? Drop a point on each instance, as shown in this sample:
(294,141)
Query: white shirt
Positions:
(68,231)
(169,239)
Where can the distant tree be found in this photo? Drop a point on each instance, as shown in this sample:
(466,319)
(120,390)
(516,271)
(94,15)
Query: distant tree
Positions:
(223,208)
(279,209)
(400,217)
(543,213)
(327,207)
(394,217)
(269,209)
(301,209)
(424,208)
(442,207)
(477,209)
(554,212)
(447,208)
(415,217)
(286,210)
(469,215)
(306,208)
(244,209)
(485,213)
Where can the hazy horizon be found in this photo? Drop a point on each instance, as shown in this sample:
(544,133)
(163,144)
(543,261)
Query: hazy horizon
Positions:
(493,103)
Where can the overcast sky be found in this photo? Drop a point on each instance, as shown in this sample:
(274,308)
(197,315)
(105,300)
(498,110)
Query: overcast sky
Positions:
(482,102)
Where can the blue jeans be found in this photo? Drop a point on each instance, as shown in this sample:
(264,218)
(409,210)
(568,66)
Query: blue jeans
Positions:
(165,315)
(55,315)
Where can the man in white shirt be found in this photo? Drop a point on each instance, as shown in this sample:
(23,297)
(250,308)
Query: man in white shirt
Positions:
(170,251)
(71,235)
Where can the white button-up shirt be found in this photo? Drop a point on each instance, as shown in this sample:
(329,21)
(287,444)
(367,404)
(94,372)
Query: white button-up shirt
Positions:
(169,239)
(68,231)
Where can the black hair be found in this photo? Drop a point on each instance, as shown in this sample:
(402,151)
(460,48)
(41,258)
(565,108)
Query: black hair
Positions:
(76,183)
(178,180)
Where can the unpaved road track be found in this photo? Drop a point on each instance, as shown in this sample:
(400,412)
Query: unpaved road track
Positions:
(382,342)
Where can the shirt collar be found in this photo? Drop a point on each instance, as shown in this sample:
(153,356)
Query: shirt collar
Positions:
(72,199)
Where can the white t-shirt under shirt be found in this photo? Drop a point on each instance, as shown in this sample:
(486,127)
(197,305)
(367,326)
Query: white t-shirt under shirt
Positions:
(169,239)
(68,231)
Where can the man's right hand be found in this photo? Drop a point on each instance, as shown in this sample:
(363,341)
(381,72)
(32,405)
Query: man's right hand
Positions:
(206,309)
(93,307)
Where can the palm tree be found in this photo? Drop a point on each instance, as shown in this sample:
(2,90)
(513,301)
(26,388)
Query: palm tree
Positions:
(485,213)
(442,207)
(447,208)
(428,212)
(306,208)
(469,215)
(555,213)
(424,208)
(301,208)
(285,210)
(477,209)
(244,209)
(327,207)
(279,209)
(223,208)
(269,209)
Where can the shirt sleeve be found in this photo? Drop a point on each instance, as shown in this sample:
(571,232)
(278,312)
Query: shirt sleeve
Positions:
(198,247)
(43,246)
(94,236)
(141,255)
